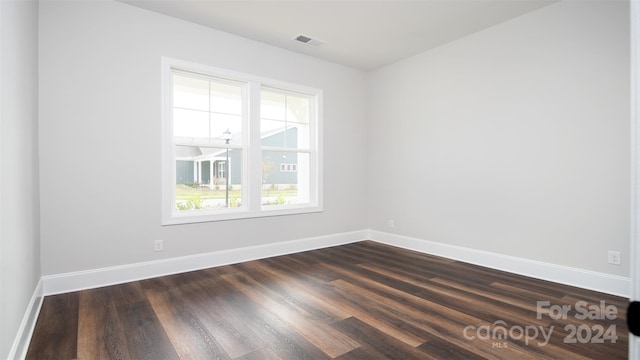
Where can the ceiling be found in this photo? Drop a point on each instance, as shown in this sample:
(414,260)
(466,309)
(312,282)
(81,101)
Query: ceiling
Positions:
(362,34)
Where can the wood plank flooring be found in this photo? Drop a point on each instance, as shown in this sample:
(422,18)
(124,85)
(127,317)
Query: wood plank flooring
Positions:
(356,301)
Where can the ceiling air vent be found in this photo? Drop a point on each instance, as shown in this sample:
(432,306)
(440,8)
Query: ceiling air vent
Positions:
(308,40)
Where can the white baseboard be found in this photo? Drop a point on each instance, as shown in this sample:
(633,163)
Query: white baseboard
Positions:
(74,281)
(25,331)
(592,280)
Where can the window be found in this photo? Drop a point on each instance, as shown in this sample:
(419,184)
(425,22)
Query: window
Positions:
(226,135)
(288,167)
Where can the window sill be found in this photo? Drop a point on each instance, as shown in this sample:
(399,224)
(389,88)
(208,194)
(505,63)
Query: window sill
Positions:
(192,217)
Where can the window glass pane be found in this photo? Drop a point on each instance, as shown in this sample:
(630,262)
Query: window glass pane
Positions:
(293,136)
(191,124)
(298,109)
(195,125)
(272,105)
(226,98)
(285,120)
(285,178)
(298,136)
(207,178)
(219,125)
(271,126)
(190,93)
(205,108)
(272,133)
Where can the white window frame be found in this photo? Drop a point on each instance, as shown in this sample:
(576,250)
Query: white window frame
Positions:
(251,145)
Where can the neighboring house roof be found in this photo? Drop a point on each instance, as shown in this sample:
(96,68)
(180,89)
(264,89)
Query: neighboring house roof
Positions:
(188,151)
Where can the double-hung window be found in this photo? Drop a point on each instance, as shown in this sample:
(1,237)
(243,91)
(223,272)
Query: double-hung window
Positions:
(237,146)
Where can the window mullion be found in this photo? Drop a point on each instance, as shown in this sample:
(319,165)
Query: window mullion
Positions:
(209,110)
(255,151)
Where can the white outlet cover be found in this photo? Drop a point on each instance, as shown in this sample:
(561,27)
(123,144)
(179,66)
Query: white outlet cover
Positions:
(614,257)
(158,245)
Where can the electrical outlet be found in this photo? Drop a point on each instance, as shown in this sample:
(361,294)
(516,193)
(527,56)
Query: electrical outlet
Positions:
(614,257)
(158,245)
(392,223)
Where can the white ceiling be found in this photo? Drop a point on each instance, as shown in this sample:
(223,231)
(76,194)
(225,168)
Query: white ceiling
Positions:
(362,34)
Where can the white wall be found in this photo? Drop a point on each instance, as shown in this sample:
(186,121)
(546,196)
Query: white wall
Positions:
(19,244)
(514,140)
(100,136)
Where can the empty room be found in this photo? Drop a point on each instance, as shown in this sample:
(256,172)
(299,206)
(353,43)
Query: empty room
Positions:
(319,179)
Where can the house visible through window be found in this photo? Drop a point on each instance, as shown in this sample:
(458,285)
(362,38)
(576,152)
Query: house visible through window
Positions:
(237,146)
(221,169)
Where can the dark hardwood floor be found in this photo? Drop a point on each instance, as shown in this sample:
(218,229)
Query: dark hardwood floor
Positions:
(357,301)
